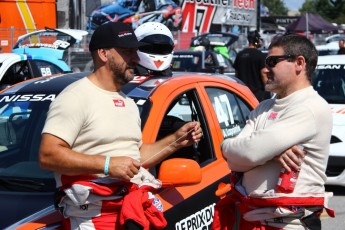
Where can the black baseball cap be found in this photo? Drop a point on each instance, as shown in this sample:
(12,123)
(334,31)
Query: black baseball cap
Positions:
(114,34)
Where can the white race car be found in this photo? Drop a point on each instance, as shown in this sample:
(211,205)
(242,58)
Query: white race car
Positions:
(330,48)
(329,81)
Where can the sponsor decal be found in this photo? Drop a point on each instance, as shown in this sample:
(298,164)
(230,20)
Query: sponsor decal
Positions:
(158,63)
(200,220)
(139,79)
(46,79)
(158,82)
(119,103)
(28,97)
(272,116)
(231,132)
(156,202)
(333,66)
(184,56)
(124,33)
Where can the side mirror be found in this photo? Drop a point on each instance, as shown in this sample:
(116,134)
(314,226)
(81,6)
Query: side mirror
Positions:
(179,172)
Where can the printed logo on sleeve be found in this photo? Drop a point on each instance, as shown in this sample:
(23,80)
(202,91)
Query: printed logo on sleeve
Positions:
(119,103)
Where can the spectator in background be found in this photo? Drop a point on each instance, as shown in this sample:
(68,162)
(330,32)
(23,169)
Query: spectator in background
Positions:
(250,65)
(341,46)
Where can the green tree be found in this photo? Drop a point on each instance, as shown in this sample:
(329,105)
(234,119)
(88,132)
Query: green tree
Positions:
(276,7)
(331,12)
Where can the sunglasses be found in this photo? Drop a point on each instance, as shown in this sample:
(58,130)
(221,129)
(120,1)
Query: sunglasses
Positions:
(272,61)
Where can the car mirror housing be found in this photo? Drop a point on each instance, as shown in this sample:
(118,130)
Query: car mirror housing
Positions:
(179,172)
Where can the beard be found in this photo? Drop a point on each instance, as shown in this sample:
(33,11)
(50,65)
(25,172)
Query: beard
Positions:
(122,73)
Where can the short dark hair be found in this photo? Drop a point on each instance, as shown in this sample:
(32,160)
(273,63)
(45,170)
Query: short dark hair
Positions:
(254,37)
(295,45)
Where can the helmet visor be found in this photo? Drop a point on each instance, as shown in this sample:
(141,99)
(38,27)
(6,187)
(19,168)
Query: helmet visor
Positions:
(157,44)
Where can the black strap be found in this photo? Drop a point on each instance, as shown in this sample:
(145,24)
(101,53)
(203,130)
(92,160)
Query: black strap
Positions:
(313,221)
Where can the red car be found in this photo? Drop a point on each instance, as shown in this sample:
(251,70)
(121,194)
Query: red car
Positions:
(192,177)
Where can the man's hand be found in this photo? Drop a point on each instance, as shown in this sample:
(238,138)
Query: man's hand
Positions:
(291,158)
(188,134)
(123,168)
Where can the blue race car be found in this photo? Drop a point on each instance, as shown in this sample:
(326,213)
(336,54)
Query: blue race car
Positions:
(137,12)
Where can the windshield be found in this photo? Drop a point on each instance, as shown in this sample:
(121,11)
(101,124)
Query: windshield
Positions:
(20,132)
(22,119)
(329,82)
(187,62)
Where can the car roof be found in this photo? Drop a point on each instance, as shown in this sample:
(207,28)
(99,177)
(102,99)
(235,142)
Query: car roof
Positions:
(331,59)
(142,88)
(7,56)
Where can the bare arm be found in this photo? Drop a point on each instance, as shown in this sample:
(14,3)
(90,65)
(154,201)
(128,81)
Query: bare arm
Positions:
(56,155)
(187,135)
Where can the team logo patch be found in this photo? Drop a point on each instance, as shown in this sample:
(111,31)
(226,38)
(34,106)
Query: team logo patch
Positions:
(158,63)
(156,202)
(272,116)
(119,103)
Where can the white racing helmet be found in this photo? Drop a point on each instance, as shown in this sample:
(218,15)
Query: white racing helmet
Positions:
(157,55)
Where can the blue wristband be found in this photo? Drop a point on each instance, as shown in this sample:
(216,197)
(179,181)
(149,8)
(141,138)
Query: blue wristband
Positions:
(106,166)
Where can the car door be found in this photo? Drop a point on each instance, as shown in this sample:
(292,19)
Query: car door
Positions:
(219,111)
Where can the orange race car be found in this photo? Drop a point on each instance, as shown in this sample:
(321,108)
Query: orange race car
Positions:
(194,178)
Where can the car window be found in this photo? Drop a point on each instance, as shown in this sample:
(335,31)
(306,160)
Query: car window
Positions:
(186,62)
(209,60)
(21,123)
(329,82)
(18,72)
(185,108)
(231,111)
(46,68)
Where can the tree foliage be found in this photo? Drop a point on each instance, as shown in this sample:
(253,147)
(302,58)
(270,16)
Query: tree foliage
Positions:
(276,7)
(331,10)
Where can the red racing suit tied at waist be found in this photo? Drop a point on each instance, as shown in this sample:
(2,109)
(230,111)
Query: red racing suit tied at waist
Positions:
(256,207)
(225,209)
(130,201)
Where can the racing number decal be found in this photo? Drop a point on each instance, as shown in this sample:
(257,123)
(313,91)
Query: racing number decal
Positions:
(62,44)
(225,115)
(45,71)
(196,17)
(221,102)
